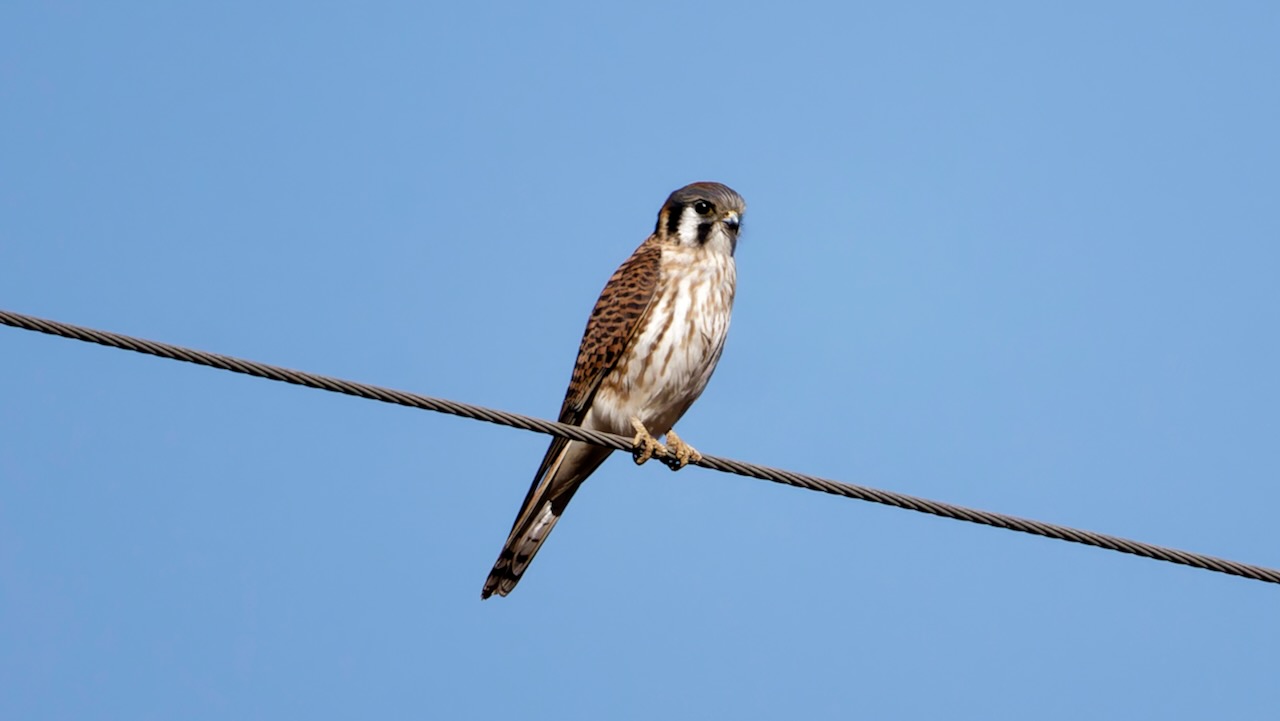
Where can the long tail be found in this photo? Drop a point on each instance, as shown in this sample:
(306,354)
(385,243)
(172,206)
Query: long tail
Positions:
(519,550)
(563,469)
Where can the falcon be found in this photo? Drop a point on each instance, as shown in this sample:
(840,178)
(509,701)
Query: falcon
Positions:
(651,344)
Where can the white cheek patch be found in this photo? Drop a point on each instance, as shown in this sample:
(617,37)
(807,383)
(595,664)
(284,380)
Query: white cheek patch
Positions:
(688,229)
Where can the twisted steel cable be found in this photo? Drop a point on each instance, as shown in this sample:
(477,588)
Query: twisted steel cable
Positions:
(725,465)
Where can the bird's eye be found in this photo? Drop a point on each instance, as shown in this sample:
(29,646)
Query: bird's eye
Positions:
(702,207)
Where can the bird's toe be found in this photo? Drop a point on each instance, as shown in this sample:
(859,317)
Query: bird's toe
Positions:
(645,446)
(679,453)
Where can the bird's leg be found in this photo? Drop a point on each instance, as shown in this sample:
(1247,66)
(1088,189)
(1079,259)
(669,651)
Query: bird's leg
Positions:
(645,446)
(679,453)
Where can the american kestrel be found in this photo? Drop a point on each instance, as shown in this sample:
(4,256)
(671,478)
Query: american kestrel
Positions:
(650,346)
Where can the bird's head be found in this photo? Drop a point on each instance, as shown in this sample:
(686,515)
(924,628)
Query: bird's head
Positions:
(702,215)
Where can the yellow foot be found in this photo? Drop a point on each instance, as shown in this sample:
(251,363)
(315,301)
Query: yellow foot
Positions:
(679,453)
(645,446)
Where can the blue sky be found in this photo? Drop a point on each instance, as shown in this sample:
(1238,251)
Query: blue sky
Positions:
(1020,257)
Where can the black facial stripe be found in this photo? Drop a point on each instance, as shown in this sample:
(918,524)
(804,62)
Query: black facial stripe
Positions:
(673,218)
(704,230)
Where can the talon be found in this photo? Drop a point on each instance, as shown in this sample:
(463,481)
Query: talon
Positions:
(645,446)
(680,454)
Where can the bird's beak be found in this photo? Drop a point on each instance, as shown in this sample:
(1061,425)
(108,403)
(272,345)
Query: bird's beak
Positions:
(732,220)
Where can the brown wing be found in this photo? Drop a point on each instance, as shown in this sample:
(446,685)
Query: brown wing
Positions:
(617,316)
(614,321)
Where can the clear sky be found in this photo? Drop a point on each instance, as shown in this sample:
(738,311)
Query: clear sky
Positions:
(1017,256)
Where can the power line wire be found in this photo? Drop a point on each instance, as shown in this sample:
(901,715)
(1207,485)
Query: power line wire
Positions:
(725,465)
